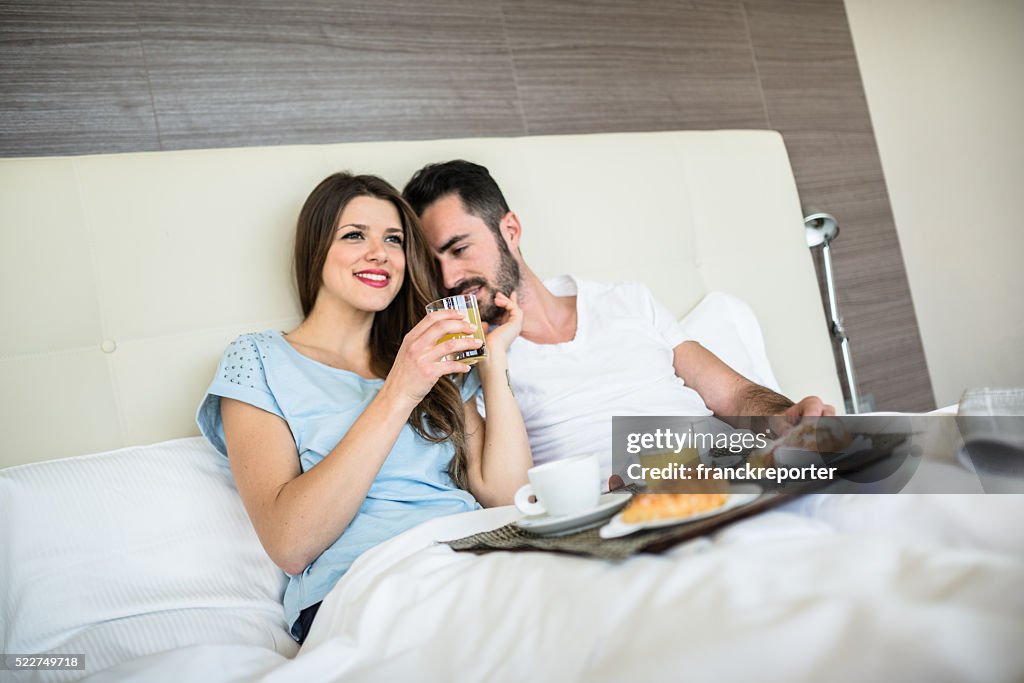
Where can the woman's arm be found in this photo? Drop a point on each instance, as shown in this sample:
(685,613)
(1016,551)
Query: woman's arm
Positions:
(297,515)
(498,453)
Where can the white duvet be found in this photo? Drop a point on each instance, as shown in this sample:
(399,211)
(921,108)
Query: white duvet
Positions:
(828,588)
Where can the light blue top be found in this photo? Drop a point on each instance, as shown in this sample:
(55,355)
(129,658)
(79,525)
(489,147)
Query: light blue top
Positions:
(320,404)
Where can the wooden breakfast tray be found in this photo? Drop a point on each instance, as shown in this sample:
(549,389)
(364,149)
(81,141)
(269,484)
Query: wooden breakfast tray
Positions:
(589,543)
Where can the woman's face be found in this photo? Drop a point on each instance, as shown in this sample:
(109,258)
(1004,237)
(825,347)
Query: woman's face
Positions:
(365,265)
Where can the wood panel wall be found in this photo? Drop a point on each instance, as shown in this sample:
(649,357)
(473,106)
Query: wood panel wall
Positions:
(98,76)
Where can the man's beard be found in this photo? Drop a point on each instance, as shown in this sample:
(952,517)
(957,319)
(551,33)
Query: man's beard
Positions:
(506,280)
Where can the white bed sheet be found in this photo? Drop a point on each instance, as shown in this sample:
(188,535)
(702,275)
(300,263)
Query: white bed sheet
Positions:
(828,587)
(806,593)
(821,590)
(816,591)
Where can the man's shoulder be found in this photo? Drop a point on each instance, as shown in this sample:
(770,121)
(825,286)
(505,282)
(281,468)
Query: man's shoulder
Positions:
(625,294)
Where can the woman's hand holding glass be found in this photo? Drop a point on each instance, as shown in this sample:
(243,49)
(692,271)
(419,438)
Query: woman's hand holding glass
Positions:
(501,336)
(421,360)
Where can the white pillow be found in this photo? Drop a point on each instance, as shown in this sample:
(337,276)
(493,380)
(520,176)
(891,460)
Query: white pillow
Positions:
(727,327)
(124,554)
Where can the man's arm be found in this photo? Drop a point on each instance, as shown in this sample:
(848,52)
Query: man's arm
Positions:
(728,393)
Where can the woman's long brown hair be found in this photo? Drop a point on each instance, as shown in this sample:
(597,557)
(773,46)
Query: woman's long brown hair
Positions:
(439,416)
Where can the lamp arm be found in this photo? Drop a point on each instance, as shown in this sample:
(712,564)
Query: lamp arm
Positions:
(833,306)
(838,331)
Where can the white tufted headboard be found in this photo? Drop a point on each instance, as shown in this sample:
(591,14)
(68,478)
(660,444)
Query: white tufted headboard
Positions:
(124,276)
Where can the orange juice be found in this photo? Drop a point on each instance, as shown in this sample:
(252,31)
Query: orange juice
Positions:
(466,303)
(673,462)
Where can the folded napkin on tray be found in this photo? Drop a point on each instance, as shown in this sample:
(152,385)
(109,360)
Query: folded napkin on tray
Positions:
(588,542)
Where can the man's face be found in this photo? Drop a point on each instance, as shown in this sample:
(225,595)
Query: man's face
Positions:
(473,259)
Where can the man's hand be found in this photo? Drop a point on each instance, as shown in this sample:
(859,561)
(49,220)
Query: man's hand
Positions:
(809,406)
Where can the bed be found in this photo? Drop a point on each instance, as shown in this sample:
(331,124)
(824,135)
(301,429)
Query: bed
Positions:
(125,539)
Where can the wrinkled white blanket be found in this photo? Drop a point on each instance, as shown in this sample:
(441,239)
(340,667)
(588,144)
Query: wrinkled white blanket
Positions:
(917,587)
(831,588)
(834,588)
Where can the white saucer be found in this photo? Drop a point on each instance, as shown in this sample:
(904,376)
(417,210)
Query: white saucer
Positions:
(545,525)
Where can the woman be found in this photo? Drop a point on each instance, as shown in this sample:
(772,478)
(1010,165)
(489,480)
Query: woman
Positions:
(359,389)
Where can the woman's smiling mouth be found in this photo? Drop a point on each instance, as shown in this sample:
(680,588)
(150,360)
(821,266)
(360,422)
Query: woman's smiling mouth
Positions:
(374,278)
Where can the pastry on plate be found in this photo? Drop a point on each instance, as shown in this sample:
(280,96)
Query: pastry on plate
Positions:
(651,507)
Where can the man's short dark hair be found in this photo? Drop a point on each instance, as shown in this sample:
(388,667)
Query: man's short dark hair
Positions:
(472,183)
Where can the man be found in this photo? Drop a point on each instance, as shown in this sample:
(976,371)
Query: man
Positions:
(587,351)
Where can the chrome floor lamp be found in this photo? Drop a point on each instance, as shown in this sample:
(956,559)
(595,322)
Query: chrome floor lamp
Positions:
(820,229)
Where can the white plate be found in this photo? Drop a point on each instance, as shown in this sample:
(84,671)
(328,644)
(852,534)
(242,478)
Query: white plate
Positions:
(616,528)
(545,525)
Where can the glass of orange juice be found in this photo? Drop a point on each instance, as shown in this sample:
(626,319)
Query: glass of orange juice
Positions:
(687,457)
(466,303)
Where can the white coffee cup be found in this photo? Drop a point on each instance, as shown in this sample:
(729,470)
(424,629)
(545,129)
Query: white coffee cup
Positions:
(562,487)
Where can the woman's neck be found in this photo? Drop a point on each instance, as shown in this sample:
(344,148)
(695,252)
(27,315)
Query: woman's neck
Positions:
(337,338)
